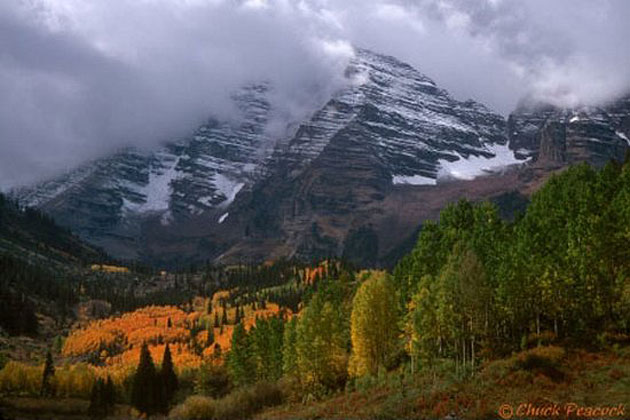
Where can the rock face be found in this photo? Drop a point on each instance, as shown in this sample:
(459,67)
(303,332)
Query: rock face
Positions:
(558,137)
(356,178)
(404,119)
(391,127)
(108,201)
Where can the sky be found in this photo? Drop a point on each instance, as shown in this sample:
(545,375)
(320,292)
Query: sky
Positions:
(80,79)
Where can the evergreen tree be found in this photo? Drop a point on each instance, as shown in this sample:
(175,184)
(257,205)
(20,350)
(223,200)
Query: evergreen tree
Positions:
(237,315)
(145,388)
(98,406)
(224,318)
(211,337)
(109,392)
(49,371)
(216,320)
(168,378)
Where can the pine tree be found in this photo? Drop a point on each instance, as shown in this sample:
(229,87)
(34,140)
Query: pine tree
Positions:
(97,408)
(210,336)
(144,389)
(217,351)
(49,372)
(237,315)
(102,398)
(224,318)
(109,392)
(168,378)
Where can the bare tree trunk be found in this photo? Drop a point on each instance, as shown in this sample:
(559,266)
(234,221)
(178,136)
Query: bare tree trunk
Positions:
(463,355)
(472,355)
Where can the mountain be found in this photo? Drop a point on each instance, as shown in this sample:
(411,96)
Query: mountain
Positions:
(559,136)
(31,235)
(356,178)
(330,188)
(108,201)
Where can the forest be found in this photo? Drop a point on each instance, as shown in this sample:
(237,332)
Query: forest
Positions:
(479,301)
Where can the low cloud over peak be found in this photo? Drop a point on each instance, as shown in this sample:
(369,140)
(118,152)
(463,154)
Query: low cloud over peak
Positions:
(79,78)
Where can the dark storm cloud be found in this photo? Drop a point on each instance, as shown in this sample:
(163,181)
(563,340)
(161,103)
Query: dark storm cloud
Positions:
(80,78)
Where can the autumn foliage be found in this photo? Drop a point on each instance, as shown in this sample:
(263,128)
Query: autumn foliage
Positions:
(116,342)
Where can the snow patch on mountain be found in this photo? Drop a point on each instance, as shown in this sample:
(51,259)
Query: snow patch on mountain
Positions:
(466,168)
(471,167)
(623,136)
(158,190)
(413,180)
(223,217)
(227,187)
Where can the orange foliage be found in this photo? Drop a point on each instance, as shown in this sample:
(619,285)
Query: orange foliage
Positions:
(183,358)
(118,340)
(149,324)
(221,294)
(311,273)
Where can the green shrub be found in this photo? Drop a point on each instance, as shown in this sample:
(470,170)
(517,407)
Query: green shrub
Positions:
(212,381)
(540,357)
(241,404)
(194,408)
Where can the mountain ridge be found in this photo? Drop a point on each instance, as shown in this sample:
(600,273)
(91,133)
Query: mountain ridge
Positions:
(389,136)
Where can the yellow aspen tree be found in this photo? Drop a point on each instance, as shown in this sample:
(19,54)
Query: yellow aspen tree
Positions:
(373,325)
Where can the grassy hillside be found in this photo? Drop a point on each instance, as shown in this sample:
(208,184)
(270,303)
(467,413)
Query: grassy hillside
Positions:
(541,376)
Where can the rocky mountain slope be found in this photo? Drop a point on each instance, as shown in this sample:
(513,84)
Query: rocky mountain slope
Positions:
(109,200)
(557,137)
(356,178)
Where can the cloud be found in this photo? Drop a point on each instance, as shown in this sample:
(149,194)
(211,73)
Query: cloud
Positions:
(80,78)
(566,52)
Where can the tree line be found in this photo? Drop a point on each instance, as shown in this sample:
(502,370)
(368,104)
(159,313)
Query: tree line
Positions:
(475,287)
